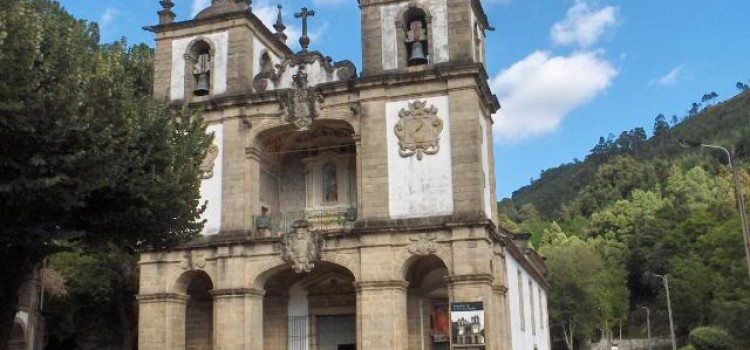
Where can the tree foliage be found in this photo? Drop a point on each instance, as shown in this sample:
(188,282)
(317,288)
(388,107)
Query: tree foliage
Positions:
(87,155)
(649,205)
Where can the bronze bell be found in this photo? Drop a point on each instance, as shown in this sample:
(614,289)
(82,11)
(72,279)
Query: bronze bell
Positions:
(201,88)
(417,54)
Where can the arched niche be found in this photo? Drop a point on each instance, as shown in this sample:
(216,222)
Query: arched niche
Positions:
(428,303)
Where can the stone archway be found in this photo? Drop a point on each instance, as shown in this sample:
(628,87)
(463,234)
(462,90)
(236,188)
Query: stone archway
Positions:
(197,328)
(428,304)
(309,311)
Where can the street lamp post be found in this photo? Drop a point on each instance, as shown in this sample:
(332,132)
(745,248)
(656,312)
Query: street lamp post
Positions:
(737,192)
(648,325)
(665,279)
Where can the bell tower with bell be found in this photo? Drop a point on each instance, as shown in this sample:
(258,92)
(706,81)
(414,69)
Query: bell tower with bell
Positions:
(408,33)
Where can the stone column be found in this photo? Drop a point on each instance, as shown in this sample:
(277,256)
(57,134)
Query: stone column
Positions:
(476,288)
(229,319)
(381,315)
(161,321)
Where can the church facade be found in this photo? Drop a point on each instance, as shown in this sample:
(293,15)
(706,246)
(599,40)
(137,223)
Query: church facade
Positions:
(345,209)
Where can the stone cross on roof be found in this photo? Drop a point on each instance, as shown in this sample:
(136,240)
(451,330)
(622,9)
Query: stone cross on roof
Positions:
(304,41)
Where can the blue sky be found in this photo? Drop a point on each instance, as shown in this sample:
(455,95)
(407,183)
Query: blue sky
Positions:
(565,71)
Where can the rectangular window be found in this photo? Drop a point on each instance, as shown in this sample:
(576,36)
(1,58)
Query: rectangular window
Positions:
(541,309)
(520,301)
(533,309)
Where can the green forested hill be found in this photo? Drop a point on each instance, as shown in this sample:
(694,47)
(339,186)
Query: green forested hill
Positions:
(638,206)
(727,123)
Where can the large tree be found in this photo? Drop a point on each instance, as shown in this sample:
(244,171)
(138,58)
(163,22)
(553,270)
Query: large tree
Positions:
(86,155)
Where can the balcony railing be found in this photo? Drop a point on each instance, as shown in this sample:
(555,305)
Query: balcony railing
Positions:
(332,219)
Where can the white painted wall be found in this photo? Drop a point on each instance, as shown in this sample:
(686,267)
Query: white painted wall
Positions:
(419,188)
(220,44)
(522,338)
(486,166)
(439,11)
(258,49)
(211,188)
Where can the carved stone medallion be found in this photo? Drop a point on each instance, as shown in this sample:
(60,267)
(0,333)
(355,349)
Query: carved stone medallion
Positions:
(207,165)
(424,245)
(300,105)
(418,130)
(301,247)
(192,261)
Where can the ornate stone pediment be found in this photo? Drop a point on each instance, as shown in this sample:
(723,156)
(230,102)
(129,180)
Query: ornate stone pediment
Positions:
(207,165)
(323,68)
(418,130)
(301,247)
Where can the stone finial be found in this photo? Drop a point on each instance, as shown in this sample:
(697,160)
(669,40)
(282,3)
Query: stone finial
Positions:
(279,26)
(166,16)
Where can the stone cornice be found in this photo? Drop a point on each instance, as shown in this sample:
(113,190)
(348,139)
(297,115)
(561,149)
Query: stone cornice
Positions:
(370,285)
(161,297)
(237,292)
(469,279)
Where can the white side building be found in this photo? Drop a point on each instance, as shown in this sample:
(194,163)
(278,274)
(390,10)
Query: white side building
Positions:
(527,296)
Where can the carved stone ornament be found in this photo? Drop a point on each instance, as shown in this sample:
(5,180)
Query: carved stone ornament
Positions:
(301,247)
(207,166)
(418,130)
(300,105)
(192,261)
(424,245)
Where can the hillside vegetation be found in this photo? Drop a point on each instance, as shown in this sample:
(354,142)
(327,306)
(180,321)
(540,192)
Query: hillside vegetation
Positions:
(641,206)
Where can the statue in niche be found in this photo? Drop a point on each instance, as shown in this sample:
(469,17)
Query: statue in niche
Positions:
(330,184)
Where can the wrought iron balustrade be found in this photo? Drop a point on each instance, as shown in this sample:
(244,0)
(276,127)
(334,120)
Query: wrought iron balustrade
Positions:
(329,219)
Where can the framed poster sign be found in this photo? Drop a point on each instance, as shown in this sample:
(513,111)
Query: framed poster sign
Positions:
(467,325)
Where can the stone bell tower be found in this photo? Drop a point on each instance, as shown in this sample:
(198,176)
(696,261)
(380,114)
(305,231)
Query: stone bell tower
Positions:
(407,33)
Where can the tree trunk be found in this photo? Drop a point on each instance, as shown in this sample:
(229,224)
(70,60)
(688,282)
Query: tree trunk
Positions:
(15,266)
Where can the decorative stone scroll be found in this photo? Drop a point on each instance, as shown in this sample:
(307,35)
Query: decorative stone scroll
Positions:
(301,247)
(207,165)
(192,261)
(424,245)
(300,105)
(418,130)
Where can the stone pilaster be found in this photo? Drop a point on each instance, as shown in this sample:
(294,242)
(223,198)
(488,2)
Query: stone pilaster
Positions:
(381,315)
(229,318)
(161,321)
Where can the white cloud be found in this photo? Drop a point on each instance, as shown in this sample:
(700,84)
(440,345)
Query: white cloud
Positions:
(267,12)
(198,6)
(540,90)
(107,17)
(669,79)
(584,24)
